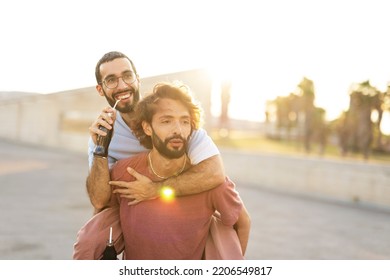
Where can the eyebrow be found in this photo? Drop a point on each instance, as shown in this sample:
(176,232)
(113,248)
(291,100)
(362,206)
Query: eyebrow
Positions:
(171,117)
(113,75)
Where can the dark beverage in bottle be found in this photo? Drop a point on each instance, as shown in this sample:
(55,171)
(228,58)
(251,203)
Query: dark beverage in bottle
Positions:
(110,252)
(102,142)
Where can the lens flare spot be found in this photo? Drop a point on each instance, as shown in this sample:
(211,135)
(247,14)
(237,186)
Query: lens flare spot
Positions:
(167,194)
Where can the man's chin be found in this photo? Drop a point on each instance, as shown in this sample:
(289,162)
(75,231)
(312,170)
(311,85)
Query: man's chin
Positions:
(128,108)
(177,154)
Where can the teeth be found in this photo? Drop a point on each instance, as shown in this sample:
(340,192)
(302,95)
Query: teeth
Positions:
(123,96)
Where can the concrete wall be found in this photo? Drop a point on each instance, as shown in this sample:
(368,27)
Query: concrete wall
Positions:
(47,119)
(335,179)
(62,119)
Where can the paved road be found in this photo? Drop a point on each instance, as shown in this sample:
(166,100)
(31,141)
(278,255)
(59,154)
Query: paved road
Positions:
(43,204)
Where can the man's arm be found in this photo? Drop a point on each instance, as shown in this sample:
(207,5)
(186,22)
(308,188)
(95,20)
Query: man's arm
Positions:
(199,178)
(99,191)
(98,188)
(242,227)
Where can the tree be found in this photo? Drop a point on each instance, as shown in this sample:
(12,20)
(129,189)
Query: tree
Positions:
(297,112)
(306,88)
(358,127)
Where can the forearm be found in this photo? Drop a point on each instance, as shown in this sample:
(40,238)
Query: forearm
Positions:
(242,228)
(98,187)
(204,176)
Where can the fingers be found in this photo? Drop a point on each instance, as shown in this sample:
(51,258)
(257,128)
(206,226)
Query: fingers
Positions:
(121,184)
(108,115)
(138,190)
(124,193)
(94,128)
(133,202)
(105,119)
(137,175)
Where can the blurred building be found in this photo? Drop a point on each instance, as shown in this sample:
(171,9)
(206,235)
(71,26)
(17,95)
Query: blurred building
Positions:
(62,119)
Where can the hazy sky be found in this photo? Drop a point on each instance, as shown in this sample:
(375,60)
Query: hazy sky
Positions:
(266,46)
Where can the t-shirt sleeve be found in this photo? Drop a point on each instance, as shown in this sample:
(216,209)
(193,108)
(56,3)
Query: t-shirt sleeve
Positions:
(227,202)
(91,147)
(201,147)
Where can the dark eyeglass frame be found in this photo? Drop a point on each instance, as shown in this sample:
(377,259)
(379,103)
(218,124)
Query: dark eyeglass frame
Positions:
(129,78)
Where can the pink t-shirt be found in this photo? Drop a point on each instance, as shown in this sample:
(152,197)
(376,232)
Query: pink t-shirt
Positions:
(178,229)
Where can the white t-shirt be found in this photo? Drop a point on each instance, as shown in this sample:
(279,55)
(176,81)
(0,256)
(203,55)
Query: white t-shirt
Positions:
(124,144)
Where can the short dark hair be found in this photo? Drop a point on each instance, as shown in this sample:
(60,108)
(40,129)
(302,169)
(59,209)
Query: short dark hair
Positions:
(110,56)
(147,107)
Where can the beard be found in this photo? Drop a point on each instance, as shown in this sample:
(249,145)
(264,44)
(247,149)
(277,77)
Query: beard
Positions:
(162,146)
(128,107)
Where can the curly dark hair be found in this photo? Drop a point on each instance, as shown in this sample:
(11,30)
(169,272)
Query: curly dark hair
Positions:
(110,56)
(147,107)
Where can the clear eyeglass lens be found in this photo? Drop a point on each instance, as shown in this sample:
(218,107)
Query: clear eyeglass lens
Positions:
(128,78)
(113,82)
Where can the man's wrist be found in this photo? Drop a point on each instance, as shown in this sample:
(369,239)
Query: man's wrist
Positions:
(157,186)
(100,152)
(99,156)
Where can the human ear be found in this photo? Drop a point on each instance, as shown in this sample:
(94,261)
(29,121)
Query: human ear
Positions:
(100,90)
(147,128)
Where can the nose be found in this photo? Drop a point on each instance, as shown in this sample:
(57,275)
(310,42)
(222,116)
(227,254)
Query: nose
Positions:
(177,129)
(121,83)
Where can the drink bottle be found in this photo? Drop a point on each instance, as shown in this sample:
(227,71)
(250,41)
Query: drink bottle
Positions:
(110,252)
(102,142)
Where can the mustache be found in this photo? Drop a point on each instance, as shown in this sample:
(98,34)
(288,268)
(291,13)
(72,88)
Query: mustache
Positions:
(123,91)
(175,137)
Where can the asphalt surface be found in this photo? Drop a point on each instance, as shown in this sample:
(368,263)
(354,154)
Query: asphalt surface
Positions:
(43,203)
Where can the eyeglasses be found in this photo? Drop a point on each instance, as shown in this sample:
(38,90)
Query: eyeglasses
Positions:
(112,82)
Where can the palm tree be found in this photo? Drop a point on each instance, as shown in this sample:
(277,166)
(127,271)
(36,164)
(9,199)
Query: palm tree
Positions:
(359,127)
(306,88)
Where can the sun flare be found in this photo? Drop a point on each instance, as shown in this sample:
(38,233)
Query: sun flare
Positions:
(167,194)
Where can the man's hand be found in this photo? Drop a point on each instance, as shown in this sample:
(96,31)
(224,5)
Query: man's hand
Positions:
(106,119)
(139,190)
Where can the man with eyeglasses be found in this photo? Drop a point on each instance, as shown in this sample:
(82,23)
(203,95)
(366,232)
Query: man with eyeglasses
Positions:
(186,227)
(118,81)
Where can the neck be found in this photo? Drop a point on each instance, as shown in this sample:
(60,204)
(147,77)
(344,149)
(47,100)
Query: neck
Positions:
(127,117)
(164,167)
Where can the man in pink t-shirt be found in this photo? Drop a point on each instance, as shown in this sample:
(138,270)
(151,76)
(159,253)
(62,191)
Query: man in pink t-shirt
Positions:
(171,227)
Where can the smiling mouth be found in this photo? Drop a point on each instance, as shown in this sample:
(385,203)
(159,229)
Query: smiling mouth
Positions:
(123,96)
